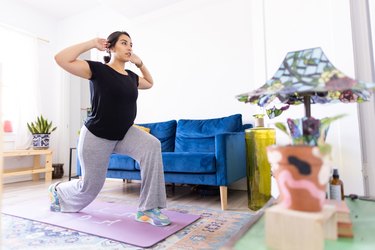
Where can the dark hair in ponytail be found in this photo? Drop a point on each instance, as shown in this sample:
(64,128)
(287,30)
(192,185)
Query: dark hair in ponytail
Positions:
(112,40)
(107,58)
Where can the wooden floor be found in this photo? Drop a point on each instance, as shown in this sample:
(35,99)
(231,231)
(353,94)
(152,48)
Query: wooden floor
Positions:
(116,189)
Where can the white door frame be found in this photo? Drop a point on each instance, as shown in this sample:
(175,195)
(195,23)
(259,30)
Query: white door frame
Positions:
(365,71)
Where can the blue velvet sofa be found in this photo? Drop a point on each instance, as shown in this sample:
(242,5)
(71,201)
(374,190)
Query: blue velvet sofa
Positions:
(203,152)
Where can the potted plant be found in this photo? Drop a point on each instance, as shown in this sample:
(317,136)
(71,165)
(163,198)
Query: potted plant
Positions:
(302,169)
(41,130)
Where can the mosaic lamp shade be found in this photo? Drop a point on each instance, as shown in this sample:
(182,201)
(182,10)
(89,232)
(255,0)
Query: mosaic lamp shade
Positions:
(307,77)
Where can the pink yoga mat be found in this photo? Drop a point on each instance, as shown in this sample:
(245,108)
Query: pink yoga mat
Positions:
(109,220)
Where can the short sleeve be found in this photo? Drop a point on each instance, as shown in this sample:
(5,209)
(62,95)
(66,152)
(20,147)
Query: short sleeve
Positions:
(94,66)
(133,76)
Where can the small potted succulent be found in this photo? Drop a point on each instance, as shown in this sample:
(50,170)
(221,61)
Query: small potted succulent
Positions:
(41,129)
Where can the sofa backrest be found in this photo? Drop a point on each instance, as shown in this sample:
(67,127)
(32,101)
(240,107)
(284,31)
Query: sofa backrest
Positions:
(165,132)
(199,135)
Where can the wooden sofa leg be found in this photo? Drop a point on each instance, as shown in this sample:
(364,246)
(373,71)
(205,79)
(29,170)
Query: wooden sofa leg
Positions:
(223,197)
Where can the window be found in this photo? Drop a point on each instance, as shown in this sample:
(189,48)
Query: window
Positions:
(19,62)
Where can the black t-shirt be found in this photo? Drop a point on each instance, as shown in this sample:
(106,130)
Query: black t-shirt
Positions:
(113,101)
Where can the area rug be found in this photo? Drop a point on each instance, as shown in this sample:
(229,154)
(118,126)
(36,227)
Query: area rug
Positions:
(212,231)
(113,221)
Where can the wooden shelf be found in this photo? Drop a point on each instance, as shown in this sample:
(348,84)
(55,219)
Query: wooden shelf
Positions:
(34,170)
(21,171)
(26,152)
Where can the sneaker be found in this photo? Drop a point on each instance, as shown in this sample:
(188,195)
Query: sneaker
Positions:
(154,217)
(54,199)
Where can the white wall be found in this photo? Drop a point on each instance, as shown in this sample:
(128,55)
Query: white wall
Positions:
(200,56)
(203,53)
(27,19)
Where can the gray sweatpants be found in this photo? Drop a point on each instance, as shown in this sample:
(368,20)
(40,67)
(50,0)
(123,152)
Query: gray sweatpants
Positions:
(94,154)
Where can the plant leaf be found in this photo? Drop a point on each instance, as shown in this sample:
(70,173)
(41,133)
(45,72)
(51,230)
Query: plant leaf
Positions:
(282,127)
(324,125)
(325,122)
(325,149)
(48,127)
(41,126)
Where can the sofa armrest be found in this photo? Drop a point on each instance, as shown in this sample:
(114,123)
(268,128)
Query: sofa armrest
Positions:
(230,151)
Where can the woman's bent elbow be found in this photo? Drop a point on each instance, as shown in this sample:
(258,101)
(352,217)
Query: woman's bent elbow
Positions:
(58,59)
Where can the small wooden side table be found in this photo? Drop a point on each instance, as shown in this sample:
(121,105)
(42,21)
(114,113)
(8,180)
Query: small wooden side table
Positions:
(36,169)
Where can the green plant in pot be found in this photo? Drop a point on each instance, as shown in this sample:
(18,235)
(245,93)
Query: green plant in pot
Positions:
(302,169)
(41,129)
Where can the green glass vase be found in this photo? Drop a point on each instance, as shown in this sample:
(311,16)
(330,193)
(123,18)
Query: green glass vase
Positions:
(257,166)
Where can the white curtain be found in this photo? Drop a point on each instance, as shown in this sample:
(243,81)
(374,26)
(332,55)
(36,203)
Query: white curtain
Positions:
(19,86)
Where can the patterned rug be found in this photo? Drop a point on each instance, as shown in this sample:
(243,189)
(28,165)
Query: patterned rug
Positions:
(212,231)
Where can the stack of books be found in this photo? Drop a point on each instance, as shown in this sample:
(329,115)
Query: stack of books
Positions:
(344,222)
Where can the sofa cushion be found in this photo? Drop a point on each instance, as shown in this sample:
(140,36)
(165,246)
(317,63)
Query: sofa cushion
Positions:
(165,132)
(121,162)
(185,162)
(199,135)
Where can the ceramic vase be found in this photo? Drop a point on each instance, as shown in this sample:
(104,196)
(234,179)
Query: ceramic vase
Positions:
(41,141)
(302,174)
(7,128)
(258,168)
(58,170)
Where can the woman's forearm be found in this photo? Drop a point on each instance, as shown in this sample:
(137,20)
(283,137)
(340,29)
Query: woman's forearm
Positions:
(68,57)
(70,54)
(146,74)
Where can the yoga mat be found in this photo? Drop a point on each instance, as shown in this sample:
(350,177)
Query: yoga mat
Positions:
(109,220)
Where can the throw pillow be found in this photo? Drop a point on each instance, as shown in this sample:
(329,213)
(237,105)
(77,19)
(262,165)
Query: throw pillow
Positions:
(142,128)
